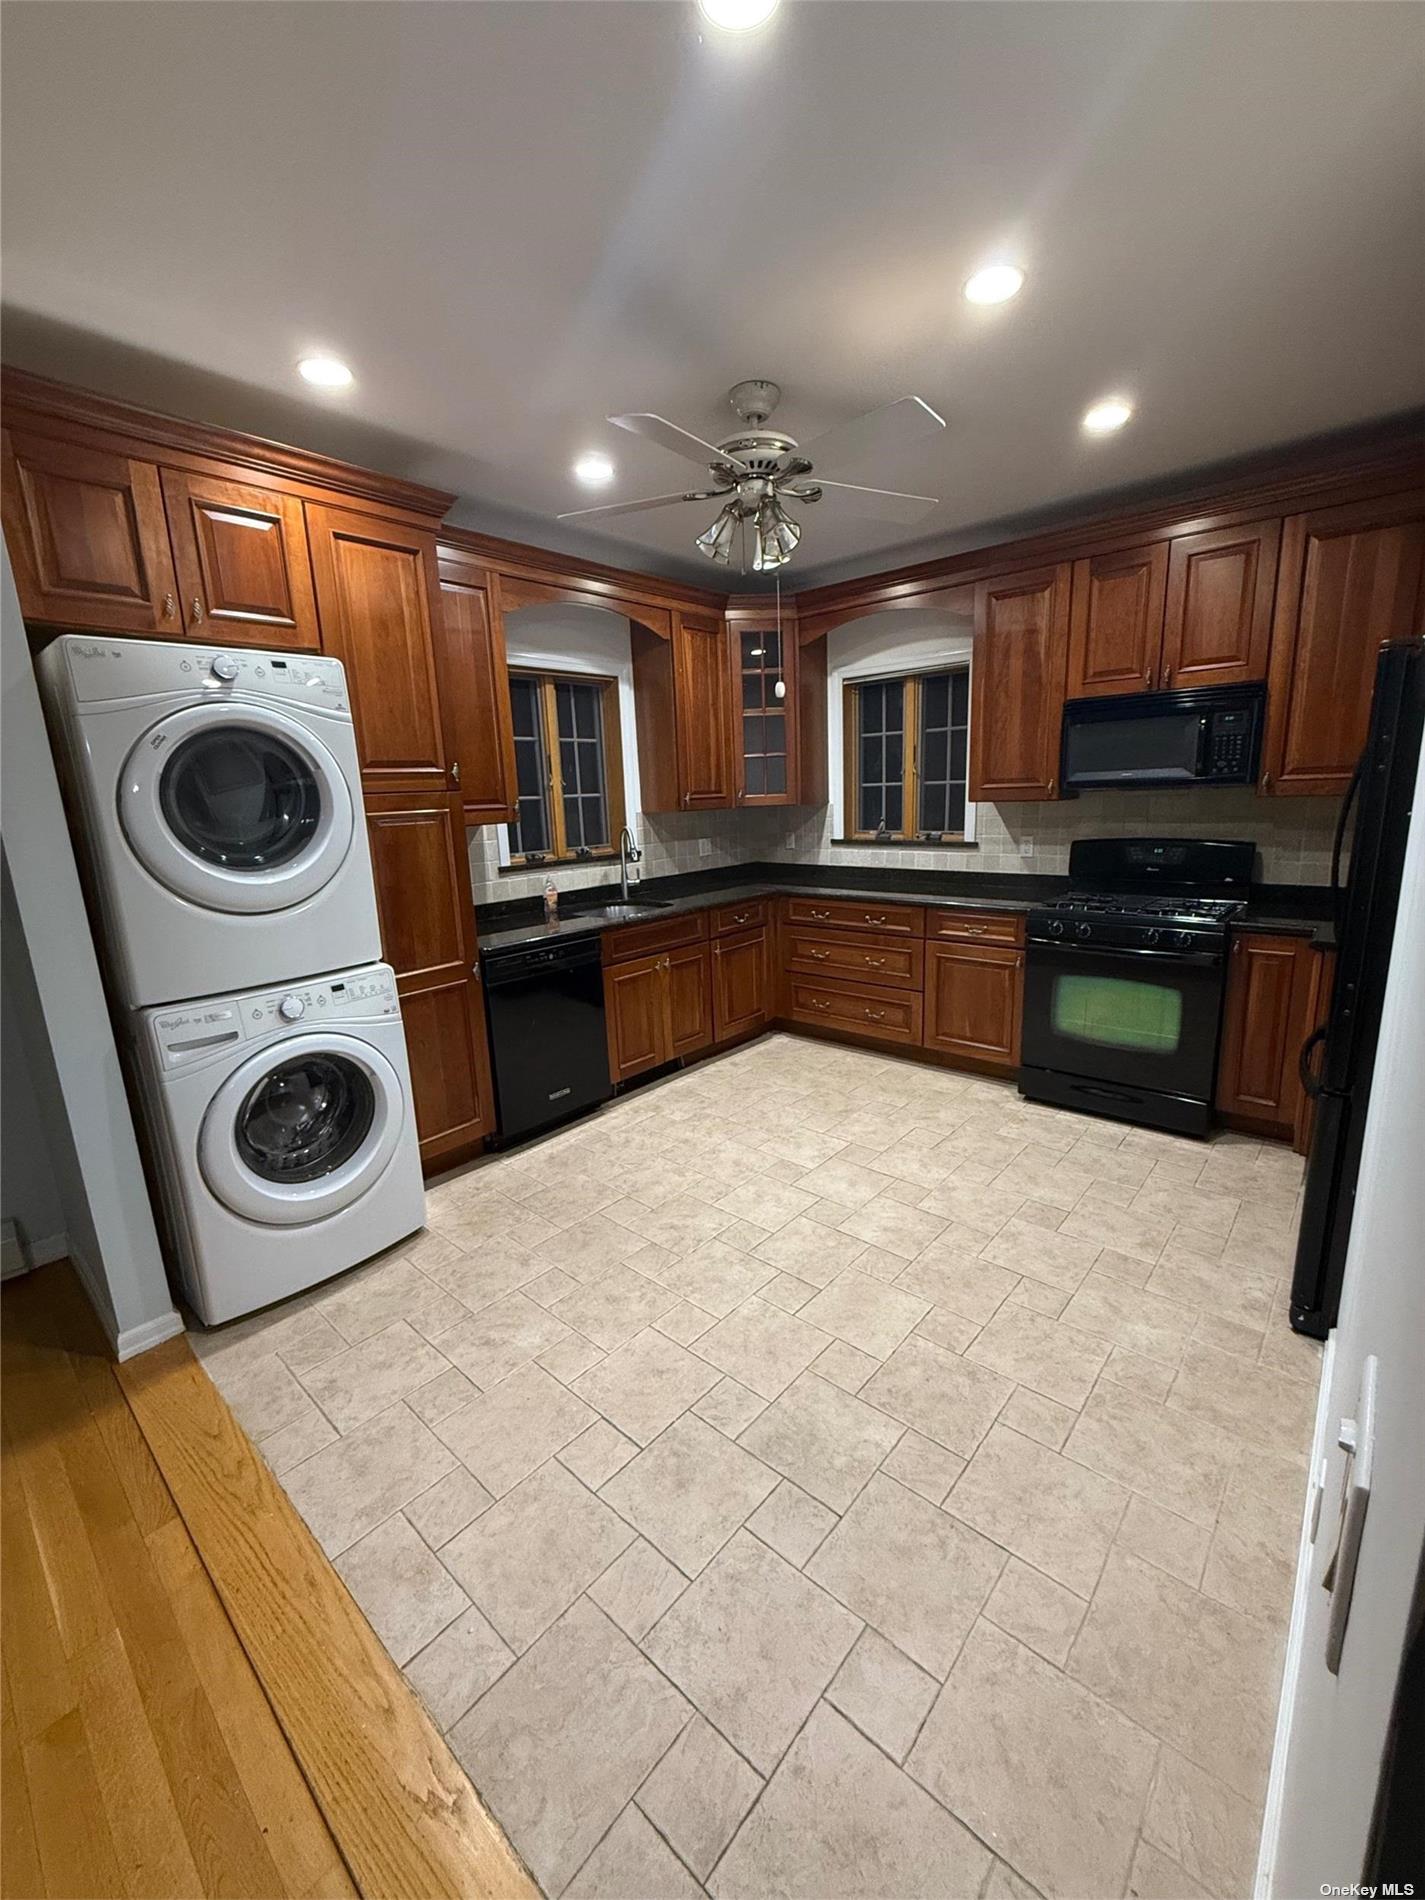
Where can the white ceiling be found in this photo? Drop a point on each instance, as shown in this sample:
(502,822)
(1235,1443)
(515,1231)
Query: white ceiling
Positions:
(513,219)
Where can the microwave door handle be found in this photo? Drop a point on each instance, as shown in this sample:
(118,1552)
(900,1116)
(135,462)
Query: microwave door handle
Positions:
(1204,725)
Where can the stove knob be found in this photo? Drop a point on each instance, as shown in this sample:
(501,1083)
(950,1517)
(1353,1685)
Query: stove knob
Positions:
(1056,929)
(1184,938)
(1083,930)
(291,1009)
(1154,935)
(225,667)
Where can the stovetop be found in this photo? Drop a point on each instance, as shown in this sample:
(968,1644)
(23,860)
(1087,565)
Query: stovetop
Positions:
(1127,904)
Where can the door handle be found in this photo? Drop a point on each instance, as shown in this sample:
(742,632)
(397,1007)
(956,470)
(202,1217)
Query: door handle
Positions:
(197,611)
(455,771)
(1310,1081)
(170,606)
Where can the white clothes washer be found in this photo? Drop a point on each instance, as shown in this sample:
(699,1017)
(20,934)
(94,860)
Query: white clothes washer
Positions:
(220,799)
(284,1135)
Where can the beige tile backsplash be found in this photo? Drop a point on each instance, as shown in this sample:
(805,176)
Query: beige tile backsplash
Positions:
(1293,836)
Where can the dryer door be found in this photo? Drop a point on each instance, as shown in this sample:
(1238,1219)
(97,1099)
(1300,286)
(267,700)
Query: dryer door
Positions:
(238,808)
(302,1129)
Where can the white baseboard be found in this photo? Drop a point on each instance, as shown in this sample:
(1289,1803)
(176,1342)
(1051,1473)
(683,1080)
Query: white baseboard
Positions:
(19,1255)
(136,1339)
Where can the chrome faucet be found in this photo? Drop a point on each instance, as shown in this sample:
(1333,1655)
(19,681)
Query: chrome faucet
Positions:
(628,853)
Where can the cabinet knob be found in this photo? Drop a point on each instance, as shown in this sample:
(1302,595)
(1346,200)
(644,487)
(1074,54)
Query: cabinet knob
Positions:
(197,611)
(170,606)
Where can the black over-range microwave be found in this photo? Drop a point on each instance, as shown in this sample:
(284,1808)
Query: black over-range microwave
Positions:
(1211,735)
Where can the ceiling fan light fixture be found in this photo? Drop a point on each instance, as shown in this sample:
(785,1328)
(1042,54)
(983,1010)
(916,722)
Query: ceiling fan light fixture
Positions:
(737,16)
(594,470)
(716,541)
(995,283)
(1108,415)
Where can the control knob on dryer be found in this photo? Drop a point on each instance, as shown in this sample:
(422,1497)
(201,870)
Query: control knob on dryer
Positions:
(291,1009)
(225,667)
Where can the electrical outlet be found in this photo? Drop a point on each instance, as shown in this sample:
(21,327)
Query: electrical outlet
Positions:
(1026,847)
(704,847)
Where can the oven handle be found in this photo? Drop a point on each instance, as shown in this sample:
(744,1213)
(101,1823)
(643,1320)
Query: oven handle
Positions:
(1199,958)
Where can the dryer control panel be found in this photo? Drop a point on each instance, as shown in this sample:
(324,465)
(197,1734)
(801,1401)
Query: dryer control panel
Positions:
(103,670)
(190,1032)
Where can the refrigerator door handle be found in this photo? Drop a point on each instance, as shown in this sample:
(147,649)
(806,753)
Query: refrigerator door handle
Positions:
(1310,1080)
(1338,846)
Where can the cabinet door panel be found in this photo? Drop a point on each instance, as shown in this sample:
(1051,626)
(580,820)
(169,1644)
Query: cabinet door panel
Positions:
(1350,581)
(376,581)
(702,702)
(973,999)
(1116,625)
(639,1030)
(689,1001)
(1268,986)
(244,572)
(1219,613)
(1020,671)
(741,984)
(765,736)
(87,538)
(428,937)
(475,692)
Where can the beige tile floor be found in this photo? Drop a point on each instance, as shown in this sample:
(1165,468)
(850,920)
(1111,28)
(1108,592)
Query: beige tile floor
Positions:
(822,1475)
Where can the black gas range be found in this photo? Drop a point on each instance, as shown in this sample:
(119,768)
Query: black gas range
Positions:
(1124,979)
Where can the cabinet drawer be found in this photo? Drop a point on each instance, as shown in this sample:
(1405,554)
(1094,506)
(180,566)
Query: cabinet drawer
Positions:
(751,915)
(643,940)
(839,913)
(889,961)
(885,1015)
(975,926)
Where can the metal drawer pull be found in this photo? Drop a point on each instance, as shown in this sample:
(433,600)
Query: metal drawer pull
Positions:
(742,917)
(821,916)
(818,956)
(875,1015)
(820,1002)
(876,963)
(873,920)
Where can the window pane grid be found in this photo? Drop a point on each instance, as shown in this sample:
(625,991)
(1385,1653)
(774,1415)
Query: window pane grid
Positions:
(764,723)
(900,789)
(561,768)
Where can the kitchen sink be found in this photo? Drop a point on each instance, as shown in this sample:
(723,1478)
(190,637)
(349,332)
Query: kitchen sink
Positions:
(627,913)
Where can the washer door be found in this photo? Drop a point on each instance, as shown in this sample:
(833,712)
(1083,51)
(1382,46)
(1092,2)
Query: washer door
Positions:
(302,1129)
(238,808)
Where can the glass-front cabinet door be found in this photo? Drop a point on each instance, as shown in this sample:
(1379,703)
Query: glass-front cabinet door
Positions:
(764,695)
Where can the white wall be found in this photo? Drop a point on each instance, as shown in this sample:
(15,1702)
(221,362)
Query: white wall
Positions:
(108,1219)
(29,1186)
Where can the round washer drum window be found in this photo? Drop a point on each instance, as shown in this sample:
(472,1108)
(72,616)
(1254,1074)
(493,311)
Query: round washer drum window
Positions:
(306,1118)
(243,799)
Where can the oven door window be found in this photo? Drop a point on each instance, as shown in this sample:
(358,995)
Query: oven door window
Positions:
(1116,1012)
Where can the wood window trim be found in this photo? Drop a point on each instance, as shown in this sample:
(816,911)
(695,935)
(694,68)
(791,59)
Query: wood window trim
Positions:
(611,752)
(908,833)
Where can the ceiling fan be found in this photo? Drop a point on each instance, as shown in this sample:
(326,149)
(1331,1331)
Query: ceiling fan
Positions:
(759,470)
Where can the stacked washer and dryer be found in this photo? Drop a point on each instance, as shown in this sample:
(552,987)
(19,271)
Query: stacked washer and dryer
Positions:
(220,803)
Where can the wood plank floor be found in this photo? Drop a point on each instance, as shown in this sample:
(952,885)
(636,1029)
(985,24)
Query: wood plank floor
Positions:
(166,1737)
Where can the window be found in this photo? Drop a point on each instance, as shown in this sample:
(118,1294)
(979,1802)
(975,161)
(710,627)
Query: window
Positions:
(570,779)
(907,752)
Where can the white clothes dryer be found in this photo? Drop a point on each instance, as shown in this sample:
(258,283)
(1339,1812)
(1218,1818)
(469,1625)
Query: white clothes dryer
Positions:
(219,795)
(283,1134)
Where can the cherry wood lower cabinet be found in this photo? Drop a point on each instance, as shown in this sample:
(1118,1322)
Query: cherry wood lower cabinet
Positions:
(1272,987)
(741,984)
(974,995)
(428,937)
(889,962)
(855,1009)
(690,1000)
(638,1014)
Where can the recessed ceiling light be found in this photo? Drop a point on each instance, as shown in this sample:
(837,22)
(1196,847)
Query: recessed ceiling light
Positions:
(737,16)
(325,371)
(996,283)
(1106,416)
(594,470)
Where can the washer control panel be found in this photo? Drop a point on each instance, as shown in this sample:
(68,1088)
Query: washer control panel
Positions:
(102,670)
(190,1032)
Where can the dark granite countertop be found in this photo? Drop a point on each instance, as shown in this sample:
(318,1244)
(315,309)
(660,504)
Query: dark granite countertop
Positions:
(1294,910)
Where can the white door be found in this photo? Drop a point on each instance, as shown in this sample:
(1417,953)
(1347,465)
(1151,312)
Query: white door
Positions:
(237,808)
(1345,1646)
(302,1129)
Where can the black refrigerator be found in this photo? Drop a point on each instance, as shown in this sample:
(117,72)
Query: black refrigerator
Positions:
(1337,1061)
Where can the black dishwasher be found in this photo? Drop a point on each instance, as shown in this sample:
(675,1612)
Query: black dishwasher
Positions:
(546,1010)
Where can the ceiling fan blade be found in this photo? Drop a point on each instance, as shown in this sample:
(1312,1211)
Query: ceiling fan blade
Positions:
(634,507)
(876,504)
(669,436)
(879,433)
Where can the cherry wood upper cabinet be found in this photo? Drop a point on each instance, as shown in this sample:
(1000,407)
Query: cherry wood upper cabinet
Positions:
(244,573)
(428,937)
(702,695)
(1020,670)
(765,724)
(1218,623)
(474,683)
(1116,622)
(376,584)
(87,537)
(1350,581)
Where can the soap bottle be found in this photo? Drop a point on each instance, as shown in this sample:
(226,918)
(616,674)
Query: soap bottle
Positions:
(551,901)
